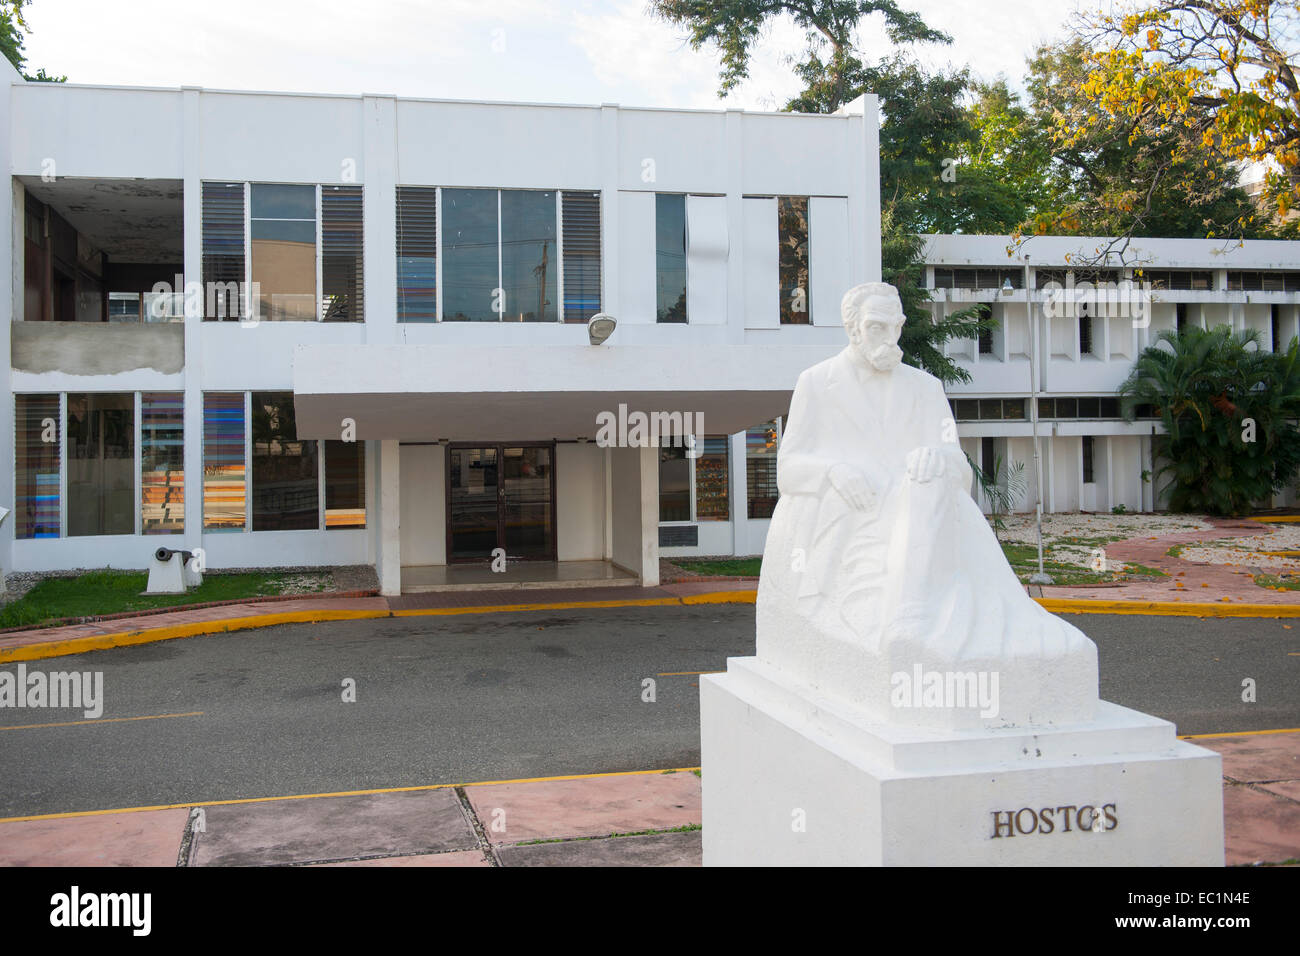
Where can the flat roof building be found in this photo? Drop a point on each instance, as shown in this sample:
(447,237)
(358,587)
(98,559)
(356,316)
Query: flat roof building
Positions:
(328,330)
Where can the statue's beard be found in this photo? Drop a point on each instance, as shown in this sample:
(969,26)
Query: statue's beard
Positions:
(885,358)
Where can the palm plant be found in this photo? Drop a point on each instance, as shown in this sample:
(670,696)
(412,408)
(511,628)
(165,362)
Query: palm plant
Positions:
(1229,412)
(1002,488)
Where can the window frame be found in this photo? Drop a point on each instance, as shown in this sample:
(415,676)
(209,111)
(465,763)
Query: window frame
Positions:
(440,250)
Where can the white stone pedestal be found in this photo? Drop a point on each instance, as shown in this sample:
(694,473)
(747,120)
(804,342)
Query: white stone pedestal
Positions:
(794,778)
(166,577)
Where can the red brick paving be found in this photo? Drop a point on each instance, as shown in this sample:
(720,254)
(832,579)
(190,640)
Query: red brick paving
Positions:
(1261,823)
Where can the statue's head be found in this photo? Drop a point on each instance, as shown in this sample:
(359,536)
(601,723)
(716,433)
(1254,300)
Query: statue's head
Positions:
(873,317)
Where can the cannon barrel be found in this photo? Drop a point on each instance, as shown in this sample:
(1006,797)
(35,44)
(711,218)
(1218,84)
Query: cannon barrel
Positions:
(165,554)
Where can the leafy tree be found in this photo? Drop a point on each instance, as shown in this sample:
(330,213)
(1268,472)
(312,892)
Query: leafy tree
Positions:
(1229,414)
(831,69)
(1120,176)
(922,340)
(923,122)
(12,27)
(1209,82)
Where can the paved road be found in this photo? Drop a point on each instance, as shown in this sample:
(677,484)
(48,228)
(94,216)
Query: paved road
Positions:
(488,697)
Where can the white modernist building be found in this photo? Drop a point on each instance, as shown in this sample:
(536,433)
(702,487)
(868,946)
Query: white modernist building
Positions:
(1084,342)
(328,330)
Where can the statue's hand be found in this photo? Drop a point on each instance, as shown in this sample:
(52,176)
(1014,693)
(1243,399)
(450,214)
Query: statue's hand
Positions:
(925,464)
(852,486)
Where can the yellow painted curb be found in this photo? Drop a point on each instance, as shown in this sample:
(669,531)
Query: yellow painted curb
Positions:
(721,597)
(341,793)
(553,606)
(1241,733)
(1169,608)
(1275,519)
(99,642)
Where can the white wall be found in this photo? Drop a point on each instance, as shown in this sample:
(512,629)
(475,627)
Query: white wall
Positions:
(424,504)
(579,502)
(634,479)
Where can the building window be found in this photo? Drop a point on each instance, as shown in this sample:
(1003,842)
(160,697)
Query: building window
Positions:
(760,468)
(1264,281)
(1085,334)
(470,268)
(529,256)
(986,341)
(985,279)
(101,464)
(580,213)
(224,461)
(162,462)
(417,254)
(124,307)
(282,232)
(223,250)
(500,261)
(1087,460)
(1275,328)
(286,476)
(713,479)
(504,252)
(36,466)
(345,484)
(792,236)
(341,268)
(670,257)
(1180,310)
(674,483)
(1175,279)
(988,455)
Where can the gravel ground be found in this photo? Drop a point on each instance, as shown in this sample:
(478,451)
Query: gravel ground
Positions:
(1056,527)
(1284,537)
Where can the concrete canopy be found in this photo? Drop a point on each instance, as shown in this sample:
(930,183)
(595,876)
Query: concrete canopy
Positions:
(493,393)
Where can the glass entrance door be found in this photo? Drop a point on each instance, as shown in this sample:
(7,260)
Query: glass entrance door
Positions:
(472,480)
(501,496)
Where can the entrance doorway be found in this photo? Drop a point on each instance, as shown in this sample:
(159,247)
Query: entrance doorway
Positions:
(501,496)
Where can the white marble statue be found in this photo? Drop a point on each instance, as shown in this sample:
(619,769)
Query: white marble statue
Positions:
(879,562)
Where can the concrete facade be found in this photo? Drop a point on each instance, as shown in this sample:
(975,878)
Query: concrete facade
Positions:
(1077,364)
(126,168)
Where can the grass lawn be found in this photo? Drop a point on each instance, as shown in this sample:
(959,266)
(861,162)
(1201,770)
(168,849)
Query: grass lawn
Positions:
(1280,584)
(111,592)
(734,567)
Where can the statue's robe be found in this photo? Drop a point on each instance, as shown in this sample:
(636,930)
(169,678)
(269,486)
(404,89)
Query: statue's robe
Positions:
(919,576)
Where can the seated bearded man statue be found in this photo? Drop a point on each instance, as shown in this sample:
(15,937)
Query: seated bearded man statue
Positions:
(879,563)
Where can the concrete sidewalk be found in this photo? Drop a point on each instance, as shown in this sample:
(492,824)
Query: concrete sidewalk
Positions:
(635,819)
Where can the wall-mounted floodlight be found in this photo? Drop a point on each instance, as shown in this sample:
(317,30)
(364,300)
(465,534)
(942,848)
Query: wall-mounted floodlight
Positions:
(1006,285)
(600,327)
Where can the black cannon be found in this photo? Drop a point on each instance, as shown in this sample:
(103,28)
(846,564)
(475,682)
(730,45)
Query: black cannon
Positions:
(165,554)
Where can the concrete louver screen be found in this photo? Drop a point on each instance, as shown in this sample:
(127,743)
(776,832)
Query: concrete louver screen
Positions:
(417,254)
(223,248)
(580,221)
(342,275)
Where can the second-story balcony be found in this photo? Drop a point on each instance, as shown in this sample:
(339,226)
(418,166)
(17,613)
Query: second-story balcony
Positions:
(100,260)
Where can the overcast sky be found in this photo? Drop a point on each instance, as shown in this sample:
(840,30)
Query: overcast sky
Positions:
(563,51)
